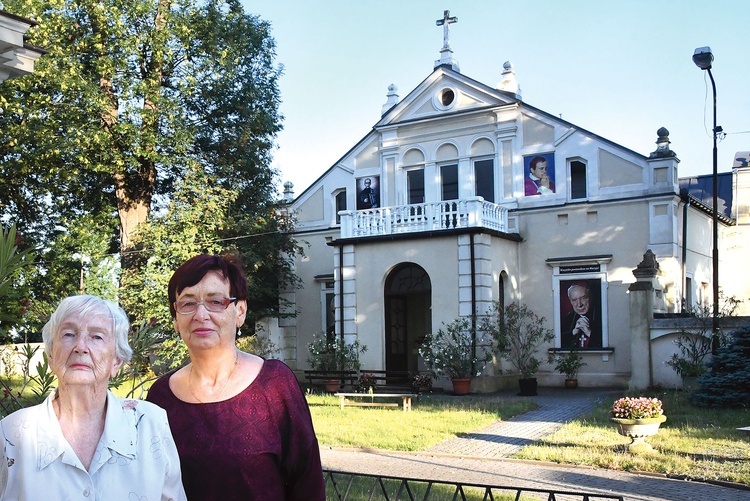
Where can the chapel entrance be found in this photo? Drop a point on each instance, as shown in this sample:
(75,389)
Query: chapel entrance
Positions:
(408,315)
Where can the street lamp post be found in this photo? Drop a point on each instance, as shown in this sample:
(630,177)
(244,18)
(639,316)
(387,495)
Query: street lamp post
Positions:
(703,58)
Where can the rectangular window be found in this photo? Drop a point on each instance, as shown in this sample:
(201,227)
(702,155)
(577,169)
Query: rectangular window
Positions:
(577,180)
(449,180)
(328,305)
(415,186)
(688,306)
(340,204)
(484,179)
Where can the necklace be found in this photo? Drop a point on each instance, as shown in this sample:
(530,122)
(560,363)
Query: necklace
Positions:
(218,397)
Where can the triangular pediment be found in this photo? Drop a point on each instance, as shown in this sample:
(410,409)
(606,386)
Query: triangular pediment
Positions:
(445,92)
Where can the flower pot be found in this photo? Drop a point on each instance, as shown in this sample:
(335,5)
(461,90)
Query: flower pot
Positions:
(637,430)
(461,386)
(571,383)
(527,387)
(332,385)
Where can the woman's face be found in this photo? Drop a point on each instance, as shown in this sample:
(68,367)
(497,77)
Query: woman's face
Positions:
(207,329)
(83,350)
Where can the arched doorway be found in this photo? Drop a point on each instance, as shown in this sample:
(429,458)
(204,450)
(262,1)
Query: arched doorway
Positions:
(408,315)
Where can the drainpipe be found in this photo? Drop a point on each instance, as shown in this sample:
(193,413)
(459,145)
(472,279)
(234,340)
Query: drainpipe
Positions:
(341,292)
(683,305)
(473,301)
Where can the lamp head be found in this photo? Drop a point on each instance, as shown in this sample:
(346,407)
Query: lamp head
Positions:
(703,57)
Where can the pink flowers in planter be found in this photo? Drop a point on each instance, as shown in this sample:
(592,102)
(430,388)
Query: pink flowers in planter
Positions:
(637,408)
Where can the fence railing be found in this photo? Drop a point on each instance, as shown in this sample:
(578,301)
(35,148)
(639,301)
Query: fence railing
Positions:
(347,486)
(450,214)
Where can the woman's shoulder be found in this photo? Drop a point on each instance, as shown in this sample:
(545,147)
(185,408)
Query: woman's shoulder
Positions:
(160,387)
(22,415)
(277,368)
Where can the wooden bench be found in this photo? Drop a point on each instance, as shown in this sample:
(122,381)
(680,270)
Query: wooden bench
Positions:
(347,399)
(386,381)
(320,378)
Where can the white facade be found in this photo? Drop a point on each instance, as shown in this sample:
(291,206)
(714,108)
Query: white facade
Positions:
(16,57)
(449,228)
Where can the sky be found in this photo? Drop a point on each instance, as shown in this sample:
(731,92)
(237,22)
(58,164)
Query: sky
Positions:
(621,69)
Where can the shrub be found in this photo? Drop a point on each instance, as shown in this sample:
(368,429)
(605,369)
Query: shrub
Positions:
(727,383)
(695,341)
(518,334)
(451,352)
(334,354)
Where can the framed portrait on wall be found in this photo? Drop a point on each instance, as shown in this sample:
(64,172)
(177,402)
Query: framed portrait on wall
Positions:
(539,174)
(580,313)
(368,192)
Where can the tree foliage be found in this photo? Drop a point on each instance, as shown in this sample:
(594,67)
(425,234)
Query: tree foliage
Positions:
(727,382)
(12,263)
(518,333)
(133,101)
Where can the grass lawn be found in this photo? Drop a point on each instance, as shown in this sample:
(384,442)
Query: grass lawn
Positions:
(433,418)
(693,443)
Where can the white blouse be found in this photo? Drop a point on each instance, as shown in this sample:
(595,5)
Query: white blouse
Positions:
(136,457)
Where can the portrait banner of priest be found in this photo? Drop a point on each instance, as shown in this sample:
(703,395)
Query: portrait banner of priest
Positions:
(539,174)
(580,314)
(368,192)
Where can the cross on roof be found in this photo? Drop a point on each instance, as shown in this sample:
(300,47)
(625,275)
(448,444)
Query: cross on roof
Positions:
(445,23)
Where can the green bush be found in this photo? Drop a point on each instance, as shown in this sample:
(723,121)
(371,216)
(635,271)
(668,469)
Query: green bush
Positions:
(334,354)
(727,382)
(451,352)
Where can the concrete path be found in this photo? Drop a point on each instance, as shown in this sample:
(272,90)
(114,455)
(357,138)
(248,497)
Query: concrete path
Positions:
(483,458)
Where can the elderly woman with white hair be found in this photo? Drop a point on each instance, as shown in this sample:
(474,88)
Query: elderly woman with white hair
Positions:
(83,442)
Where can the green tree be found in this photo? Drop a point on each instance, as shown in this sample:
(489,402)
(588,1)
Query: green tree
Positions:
(131,98)
(12,263)
(189,227)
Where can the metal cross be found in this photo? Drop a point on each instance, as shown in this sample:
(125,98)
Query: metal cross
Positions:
(445,23)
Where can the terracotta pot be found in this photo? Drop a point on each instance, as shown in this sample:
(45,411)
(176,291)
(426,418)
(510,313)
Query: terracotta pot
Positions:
(332,385)
(637,430)
(571,383)
(461,386)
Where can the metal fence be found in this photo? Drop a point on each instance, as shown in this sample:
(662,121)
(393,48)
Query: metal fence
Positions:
(346,486)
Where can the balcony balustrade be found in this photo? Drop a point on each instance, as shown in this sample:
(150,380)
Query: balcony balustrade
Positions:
(433,216)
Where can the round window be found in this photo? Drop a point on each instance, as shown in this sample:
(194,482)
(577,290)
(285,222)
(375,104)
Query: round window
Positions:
(447,97)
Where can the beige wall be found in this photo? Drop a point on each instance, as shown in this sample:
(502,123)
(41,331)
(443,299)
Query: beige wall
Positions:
(373,263)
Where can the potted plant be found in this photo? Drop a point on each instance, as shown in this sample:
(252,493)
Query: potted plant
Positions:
(637,418)
(518,333)
(451,352)
(333,354)
(421,383)
(569,364)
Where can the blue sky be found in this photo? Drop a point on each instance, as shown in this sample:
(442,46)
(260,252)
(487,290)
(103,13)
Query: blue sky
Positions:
(619,69)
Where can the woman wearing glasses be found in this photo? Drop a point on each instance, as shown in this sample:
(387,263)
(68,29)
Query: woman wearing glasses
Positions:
(241,423)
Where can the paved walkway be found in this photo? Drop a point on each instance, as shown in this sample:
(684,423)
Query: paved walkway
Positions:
(483,458)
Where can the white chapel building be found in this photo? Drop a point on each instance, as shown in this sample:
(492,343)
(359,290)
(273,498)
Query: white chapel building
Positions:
(463,194)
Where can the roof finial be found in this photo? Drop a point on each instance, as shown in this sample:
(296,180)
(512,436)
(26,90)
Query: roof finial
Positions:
(392,99)
(509,82)
(662,145)
(446,54)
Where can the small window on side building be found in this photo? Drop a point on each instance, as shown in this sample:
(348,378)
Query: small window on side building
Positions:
(578,183)
(340,204)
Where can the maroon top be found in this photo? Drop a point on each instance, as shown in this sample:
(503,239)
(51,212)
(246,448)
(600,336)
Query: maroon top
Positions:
(258,445)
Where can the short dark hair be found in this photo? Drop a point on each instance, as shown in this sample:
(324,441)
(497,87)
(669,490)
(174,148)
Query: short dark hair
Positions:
(194,269)
(534,161)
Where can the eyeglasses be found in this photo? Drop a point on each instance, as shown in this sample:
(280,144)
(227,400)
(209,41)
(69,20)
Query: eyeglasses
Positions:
(187,306)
